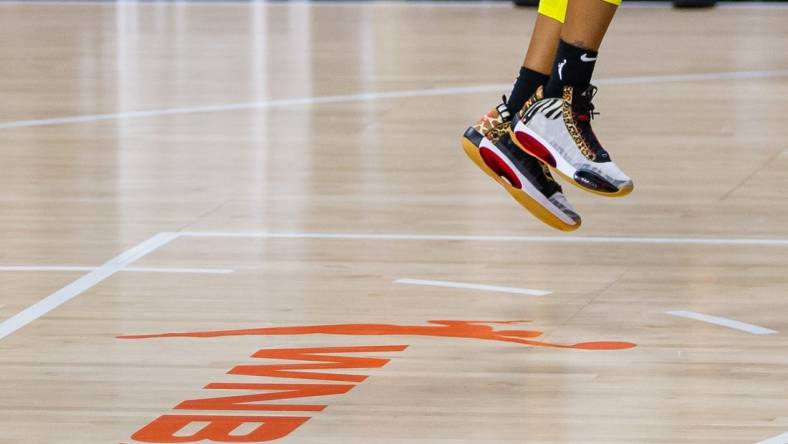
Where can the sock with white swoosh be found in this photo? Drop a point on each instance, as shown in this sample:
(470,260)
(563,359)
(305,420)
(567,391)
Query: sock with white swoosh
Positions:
(573,66)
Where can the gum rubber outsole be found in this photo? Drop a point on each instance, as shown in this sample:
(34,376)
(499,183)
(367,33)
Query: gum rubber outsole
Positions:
(519,195)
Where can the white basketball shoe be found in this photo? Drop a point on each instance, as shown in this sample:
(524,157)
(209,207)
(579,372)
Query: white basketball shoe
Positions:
(558,132)
(489,146)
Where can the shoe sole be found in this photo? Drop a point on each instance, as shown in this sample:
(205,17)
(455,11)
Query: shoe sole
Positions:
(535,146)
(523,198)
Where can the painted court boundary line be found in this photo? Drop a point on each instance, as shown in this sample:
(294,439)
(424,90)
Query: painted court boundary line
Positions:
(471,286)
(54,268)
(85,282)
(120,262)
(730,323)
(780,439)
(309,101)
(450,237)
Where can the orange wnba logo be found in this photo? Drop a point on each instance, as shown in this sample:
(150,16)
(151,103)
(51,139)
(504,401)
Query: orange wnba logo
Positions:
(223,428)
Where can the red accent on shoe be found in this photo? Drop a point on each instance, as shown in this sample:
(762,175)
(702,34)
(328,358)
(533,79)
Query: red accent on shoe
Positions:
(500,167)
(534,148)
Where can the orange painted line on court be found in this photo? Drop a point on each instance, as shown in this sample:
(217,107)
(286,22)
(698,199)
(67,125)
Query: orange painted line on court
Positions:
(222,428)
(448,329)
(309,364)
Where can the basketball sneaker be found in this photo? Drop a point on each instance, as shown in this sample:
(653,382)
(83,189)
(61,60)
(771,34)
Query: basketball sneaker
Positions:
(558,132)
(489,146)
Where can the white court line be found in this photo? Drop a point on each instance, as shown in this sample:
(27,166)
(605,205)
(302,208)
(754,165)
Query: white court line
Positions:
(779,439)
(449,237)
(82,284)
(730,323)
(179,270)
(46,268)
(308,101)
(697,77)
(449,284)
(283,103)
(11,268)
(120,262)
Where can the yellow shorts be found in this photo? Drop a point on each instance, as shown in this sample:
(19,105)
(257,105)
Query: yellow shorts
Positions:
(556,9)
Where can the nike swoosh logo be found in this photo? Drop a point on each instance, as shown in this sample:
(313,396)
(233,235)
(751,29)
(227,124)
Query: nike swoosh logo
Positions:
(586,58)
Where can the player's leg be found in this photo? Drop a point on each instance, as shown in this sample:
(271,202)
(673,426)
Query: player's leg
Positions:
(540,56)
(556,127)
(488,142)
(581,35)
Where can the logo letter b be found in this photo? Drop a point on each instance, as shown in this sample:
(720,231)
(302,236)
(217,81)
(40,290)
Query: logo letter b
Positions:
(217,428)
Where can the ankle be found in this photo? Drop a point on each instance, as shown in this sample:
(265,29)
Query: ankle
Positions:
(573,66)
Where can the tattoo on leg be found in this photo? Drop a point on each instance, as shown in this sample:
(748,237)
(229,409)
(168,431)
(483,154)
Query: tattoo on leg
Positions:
(582,45)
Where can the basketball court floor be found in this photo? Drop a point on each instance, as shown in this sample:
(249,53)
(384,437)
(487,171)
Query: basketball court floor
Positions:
(281,187)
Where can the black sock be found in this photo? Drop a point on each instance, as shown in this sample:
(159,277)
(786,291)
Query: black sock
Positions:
(573,66)
(524,87)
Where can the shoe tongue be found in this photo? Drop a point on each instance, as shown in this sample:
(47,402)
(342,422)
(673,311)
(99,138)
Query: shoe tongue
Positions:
(581,103)
(583,110)
(581,97)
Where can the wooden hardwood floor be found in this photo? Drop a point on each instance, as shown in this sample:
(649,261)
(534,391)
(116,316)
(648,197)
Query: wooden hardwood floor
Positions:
(290,174)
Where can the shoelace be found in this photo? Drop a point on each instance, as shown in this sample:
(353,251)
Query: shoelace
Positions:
(584,113)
